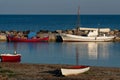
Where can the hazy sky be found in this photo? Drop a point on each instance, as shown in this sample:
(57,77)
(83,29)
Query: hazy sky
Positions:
(59,6)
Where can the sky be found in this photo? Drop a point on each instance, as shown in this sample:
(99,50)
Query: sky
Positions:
(59,6)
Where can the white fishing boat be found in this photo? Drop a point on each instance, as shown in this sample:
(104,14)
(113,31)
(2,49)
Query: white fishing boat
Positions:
(74,70)
(92,36)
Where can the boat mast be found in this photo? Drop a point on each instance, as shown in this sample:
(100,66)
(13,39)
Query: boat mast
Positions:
(78,20)
(78,17)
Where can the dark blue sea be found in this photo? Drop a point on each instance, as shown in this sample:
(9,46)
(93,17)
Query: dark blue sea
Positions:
(82,53)
(55,22)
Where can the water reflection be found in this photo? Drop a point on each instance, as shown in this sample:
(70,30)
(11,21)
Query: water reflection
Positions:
(88,53)
(98,50)
(26,46)
(93,50)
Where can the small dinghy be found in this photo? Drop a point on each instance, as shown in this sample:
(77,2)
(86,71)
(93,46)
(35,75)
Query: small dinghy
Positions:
(10,57)
(74,70)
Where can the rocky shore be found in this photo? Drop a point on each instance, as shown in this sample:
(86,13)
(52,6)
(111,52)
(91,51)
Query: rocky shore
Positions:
(54,35)
(20,71)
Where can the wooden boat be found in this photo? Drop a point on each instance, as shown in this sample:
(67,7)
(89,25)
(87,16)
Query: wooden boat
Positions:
(74,70)
(78,38)
(10,57)
(13,39)
(92,36)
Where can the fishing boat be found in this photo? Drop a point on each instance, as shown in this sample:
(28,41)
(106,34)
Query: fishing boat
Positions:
(92,36)
(14,39)
(10,57)
(74,70)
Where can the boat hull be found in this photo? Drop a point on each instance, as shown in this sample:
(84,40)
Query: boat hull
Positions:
(12,39)
(75,70)
(77,38)
(10,58)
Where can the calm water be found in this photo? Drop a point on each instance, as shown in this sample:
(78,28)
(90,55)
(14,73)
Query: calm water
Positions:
(86,53)
(95,54)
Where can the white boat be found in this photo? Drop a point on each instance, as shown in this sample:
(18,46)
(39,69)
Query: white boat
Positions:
(92,36)
(74,70)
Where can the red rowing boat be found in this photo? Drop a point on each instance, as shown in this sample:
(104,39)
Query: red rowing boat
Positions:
(10,57)
(13,39)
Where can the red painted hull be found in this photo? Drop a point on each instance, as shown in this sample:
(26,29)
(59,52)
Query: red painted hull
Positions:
(7,58)
(12,39)
(78,67)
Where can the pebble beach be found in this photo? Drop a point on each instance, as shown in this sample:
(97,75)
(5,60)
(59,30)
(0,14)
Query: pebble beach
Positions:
(20,71)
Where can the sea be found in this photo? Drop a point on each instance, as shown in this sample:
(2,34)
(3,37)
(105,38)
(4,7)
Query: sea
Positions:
(106,54)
